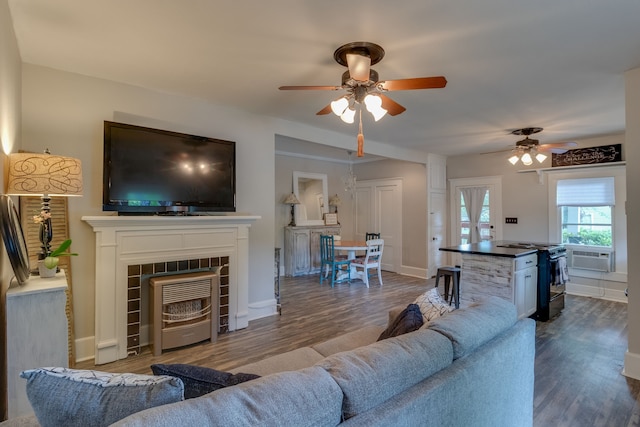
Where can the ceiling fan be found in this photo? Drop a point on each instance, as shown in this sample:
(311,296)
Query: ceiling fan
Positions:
(363,87)
(528,148)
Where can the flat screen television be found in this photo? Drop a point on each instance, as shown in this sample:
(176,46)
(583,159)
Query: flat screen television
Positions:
(152,171)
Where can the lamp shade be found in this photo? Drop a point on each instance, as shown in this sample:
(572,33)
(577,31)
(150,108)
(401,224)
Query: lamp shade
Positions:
(335,200)
(44,175)
(291,199)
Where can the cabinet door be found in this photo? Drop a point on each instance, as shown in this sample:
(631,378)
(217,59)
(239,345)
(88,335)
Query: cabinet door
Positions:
(301,256)
(525,284)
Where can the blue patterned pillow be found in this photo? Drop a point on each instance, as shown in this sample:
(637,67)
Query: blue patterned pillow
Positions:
(70,397)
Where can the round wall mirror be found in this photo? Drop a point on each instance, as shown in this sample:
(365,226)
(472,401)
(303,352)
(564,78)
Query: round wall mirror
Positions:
(14,239)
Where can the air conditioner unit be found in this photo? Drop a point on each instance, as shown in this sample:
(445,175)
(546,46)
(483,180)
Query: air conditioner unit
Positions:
(591,259)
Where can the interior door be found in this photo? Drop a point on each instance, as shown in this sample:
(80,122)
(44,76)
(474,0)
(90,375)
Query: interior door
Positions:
(379,210)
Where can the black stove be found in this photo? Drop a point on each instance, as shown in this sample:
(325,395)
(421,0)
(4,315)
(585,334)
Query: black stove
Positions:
(551,285)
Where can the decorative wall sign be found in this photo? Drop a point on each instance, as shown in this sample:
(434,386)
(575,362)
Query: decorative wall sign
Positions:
(587,156)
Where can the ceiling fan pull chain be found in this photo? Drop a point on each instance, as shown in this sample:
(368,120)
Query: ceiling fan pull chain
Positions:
(360,138)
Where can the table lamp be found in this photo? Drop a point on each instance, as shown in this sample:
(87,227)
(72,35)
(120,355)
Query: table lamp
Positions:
(45,175)
(292,200)
(335,201)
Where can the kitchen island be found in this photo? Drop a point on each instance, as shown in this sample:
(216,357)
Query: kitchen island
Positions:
(504,269)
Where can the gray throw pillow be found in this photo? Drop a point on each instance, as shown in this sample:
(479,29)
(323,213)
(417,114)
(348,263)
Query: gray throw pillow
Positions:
(409,320)
(70,397)
(199,380)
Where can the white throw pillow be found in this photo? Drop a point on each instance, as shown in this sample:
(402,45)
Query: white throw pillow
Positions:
(432,305)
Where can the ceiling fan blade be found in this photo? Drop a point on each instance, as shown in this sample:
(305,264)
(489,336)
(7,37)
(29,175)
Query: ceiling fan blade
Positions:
(415,83)
(557,147)
(310,87)
(325,110)
(392,107)
(359,66)
(498,151)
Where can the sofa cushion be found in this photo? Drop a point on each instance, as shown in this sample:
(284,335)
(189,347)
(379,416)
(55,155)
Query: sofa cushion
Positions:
(408,320)
(199,380)
(289,361)
(345,342)
(372,374)
(308,397)
(69,397)
(432,305)
(468,328)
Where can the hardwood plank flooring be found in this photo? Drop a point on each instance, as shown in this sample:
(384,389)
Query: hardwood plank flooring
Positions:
(579,354)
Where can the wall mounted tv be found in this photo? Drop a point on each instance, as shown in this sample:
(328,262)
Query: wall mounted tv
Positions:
(156,171)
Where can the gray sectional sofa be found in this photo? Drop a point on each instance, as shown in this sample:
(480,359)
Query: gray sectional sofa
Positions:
(472,367)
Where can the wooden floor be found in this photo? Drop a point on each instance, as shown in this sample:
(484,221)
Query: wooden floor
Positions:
(579,354)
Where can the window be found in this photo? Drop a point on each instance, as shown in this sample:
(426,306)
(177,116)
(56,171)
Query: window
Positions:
(484,224)
(586,210)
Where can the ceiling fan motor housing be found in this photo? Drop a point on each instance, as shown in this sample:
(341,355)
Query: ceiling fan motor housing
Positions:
(347,81)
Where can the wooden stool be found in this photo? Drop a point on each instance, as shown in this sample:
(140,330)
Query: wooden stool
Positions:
(450,273)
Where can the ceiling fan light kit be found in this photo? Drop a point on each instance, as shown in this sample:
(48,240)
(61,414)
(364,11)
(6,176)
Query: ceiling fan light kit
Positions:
(363,86)
(526,149)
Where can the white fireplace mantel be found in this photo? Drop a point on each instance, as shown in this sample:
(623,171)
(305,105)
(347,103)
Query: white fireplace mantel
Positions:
(127,240)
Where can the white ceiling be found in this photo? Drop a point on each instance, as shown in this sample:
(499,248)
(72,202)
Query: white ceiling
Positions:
(557,64)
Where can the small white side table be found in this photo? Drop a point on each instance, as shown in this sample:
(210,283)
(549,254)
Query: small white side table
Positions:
(36,334)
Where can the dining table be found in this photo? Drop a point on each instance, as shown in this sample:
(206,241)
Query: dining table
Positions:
(351,247)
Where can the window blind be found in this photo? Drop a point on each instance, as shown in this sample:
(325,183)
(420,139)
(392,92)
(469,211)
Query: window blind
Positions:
(586,192)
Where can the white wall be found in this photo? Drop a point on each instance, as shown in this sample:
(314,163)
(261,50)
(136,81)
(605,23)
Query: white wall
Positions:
(414,198)
(10,117)
(632,95)
(526,198)
(65,112)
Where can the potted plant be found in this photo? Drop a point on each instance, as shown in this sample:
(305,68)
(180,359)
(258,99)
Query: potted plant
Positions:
(50,262)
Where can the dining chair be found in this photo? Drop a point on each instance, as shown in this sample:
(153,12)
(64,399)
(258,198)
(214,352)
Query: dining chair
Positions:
(372,259)
(371,236)
(329,262)
(367,237)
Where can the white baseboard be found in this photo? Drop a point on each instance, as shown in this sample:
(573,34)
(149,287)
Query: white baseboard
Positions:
(261,309)
(631,365)
(85,348)
(596,292)
(413,271)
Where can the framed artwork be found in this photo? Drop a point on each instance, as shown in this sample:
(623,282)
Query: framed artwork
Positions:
(330,219)
(14,239)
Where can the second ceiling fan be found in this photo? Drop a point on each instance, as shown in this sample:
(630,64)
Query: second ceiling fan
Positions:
(363,86)
(528,148)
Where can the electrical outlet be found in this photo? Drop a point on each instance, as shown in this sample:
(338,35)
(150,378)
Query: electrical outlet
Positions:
(511,220)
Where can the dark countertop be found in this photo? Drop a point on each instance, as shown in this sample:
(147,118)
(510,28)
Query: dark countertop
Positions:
(489,247)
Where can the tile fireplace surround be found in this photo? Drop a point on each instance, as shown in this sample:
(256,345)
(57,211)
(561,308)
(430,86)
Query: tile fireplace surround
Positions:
(125,241)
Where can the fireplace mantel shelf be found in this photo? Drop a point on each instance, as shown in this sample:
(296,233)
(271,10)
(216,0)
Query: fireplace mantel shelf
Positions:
(104,221)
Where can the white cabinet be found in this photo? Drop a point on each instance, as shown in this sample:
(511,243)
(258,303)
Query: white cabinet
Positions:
(302,248)
(36,334)
(525,286)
